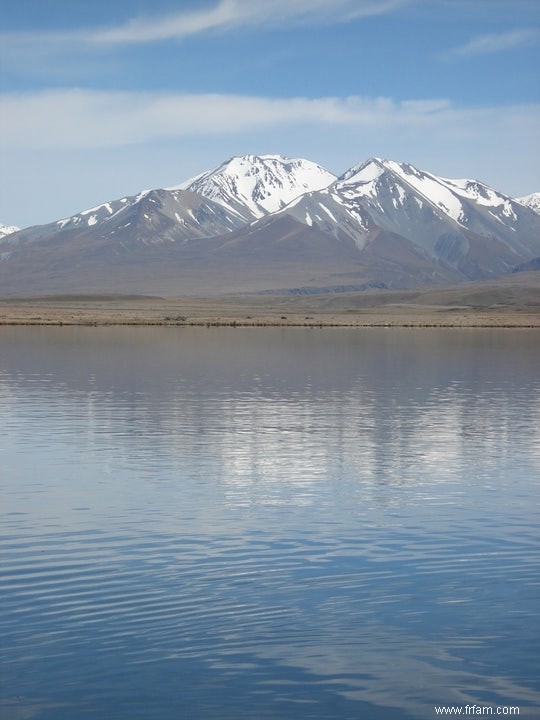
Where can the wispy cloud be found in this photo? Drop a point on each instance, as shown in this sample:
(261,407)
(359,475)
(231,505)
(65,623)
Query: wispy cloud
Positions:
(228,15)
(67,53)
(223,16)
(96,119)
(496,42)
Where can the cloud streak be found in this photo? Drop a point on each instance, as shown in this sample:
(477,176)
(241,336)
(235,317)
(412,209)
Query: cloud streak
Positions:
(98,119)
(496,42)
(224,16)
(229,15)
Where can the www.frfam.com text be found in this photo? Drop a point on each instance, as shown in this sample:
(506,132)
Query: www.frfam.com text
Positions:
(476,710)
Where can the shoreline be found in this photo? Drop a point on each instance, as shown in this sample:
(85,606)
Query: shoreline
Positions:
(239,312)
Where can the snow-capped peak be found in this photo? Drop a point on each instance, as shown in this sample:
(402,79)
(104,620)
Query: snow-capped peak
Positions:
(254,185)
(447,196)
(363,172)
(531,201)
(7,230)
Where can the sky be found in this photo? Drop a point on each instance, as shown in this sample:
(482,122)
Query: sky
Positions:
(103,99)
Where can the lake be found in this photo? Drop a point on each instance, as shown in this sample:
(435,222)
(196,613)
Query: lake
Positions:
(253,523)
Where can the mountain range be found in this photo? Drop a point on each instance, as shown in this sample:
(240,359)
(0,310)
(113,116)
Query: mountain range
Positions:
(269,223)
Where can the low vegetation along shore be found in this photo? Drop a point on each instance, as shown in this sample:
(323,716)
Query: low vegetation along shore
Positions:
(508,304)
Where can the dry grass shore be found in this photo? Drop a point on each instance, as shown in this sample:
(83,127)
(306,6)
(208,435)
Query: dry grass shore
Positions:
(463,307)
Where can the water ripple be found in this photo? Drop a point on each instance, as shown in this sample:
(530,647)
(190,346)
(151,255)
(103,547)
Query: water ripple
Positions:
(270,525)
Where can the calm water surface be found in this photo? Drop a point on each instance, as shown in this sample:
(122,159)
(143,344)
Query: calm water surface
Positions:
(268,523)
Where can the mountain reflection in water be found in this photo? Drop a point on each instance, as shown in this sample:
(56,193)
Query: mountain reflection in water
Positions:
(270,523)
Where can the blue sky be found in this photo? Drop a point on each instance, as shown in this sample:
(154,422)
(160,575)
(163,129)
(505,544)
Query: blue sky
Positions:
(107,98)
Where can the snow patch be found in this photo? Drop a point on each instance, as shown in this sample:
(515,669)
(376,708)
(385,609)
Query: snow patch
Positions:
(364,173)
(6,230)
(327,211)
(531,201)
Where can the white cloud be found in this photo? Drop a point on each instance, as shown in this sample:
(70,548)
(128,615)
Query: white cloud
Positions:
(230,14)
(496,42)
(223,16)
(93,119)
